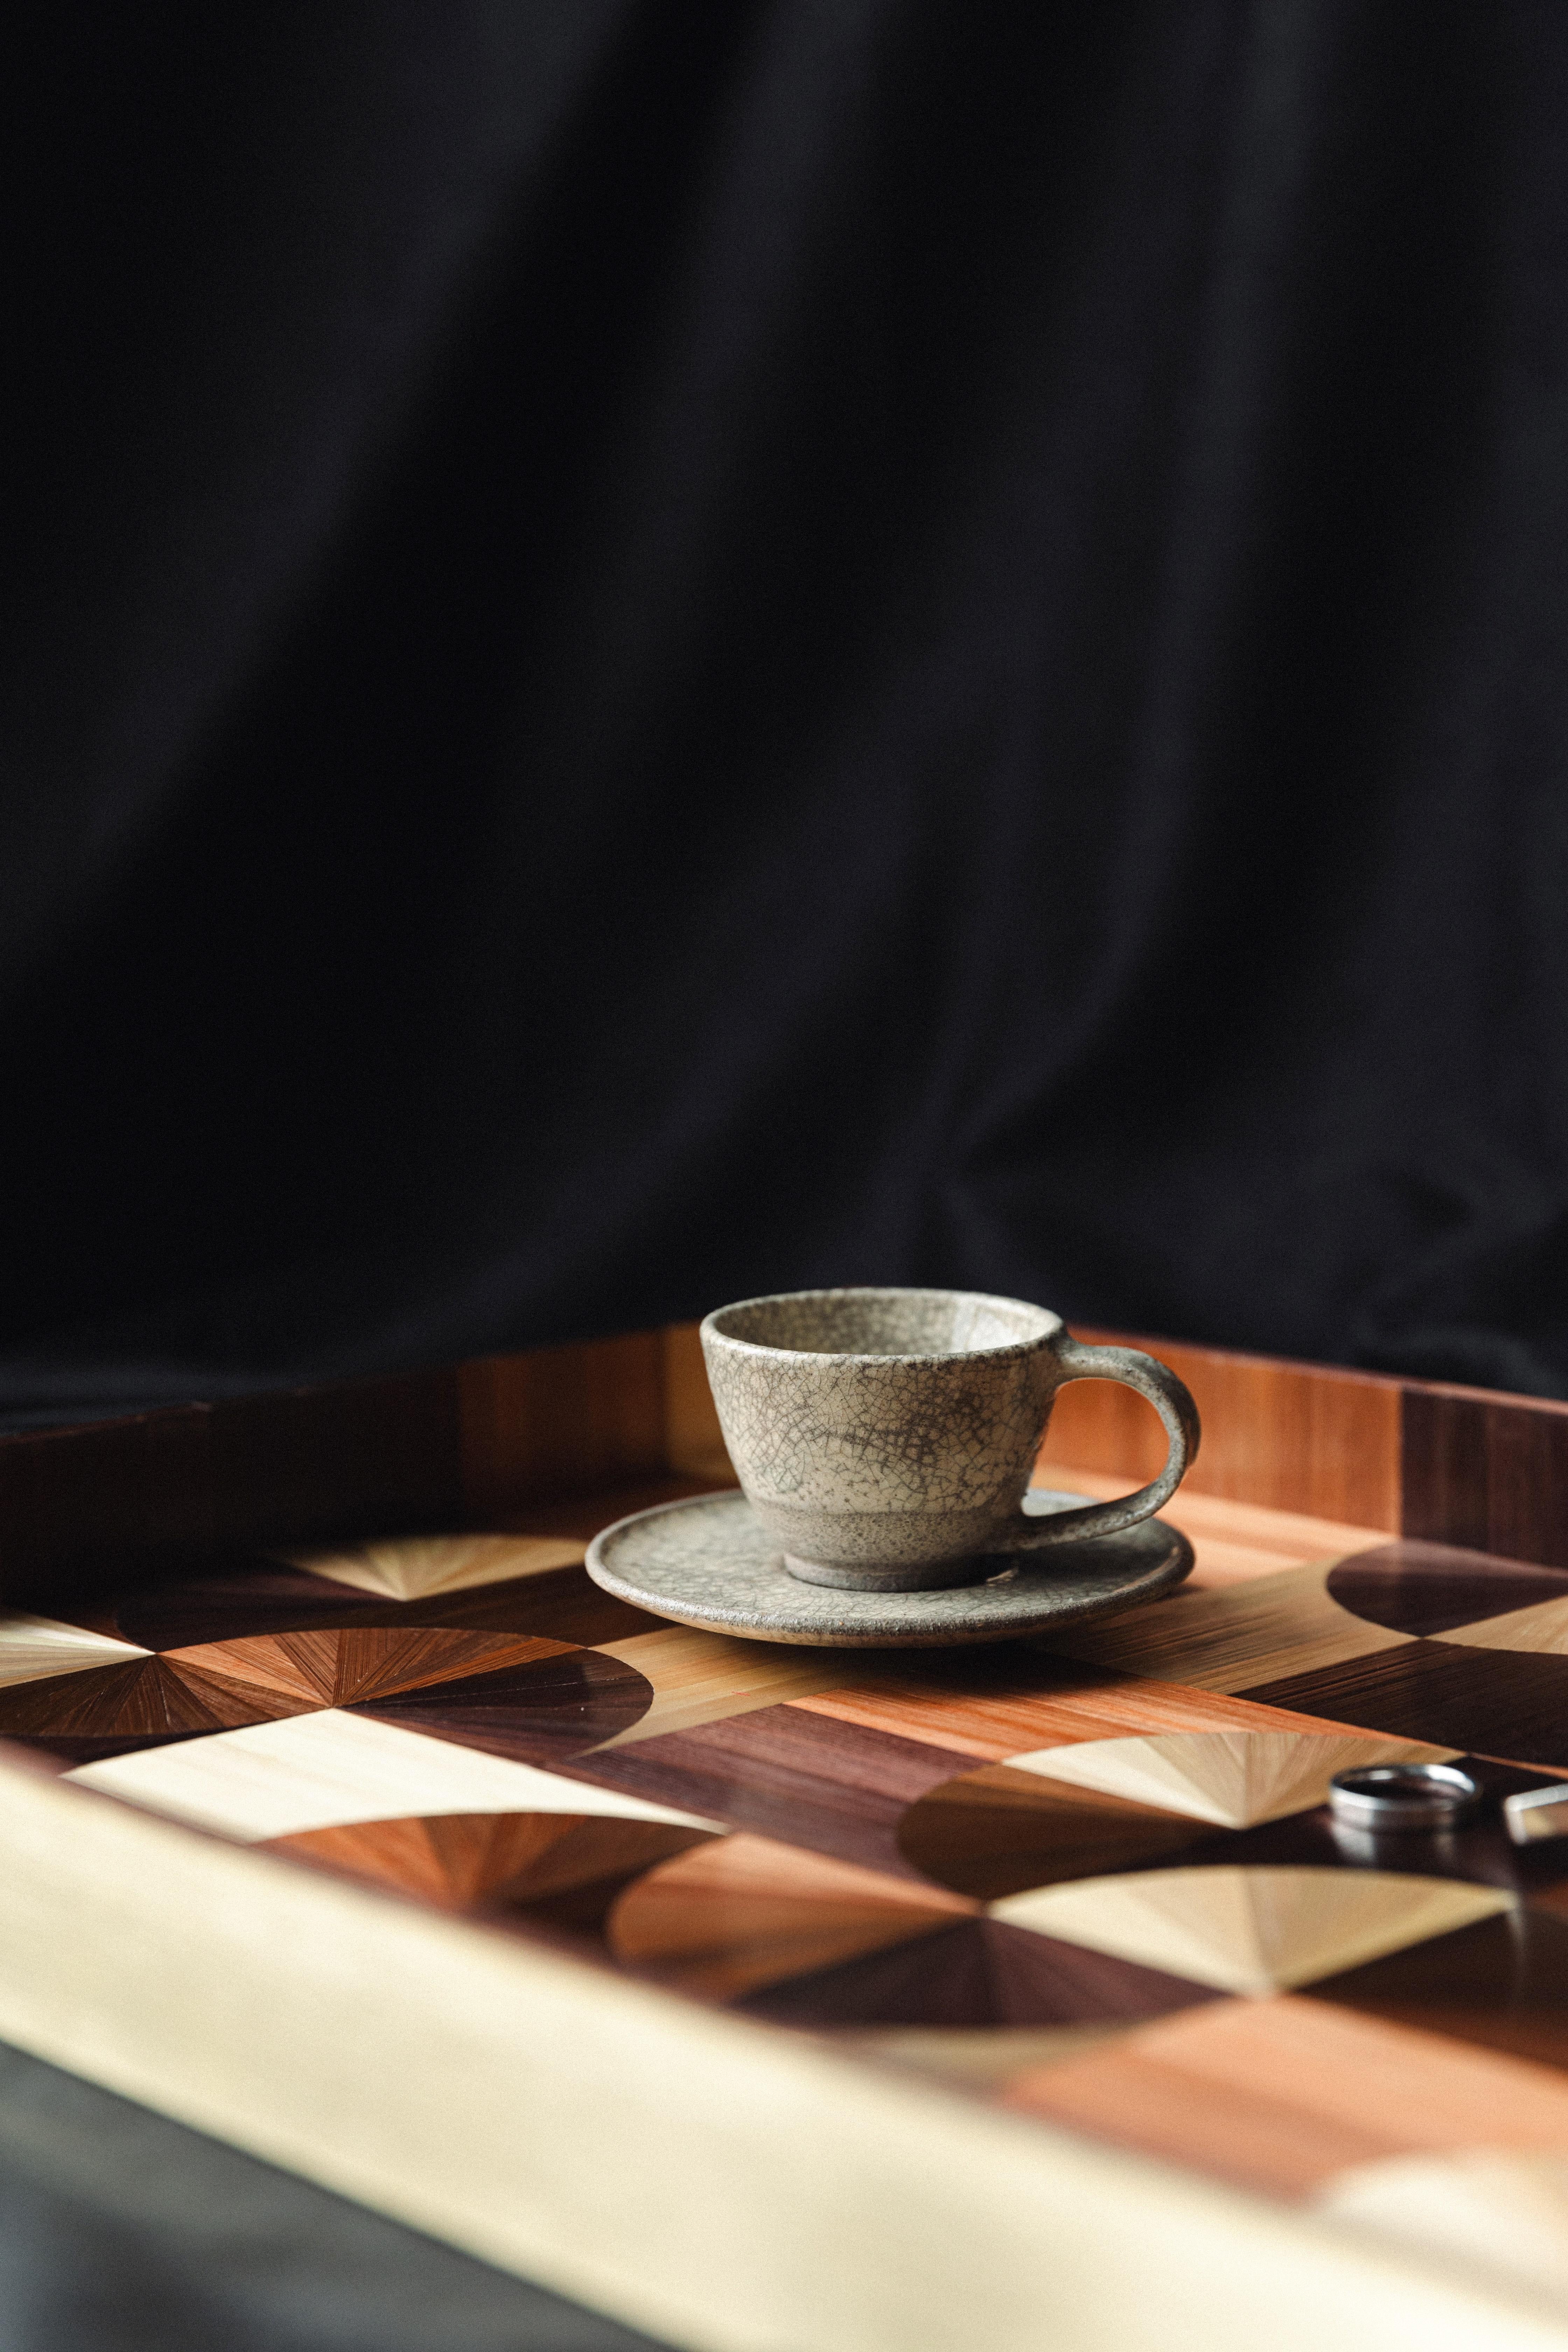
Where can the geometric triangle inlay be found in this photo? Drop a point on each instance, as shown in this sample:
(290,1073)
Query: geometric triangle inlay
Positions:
(1235,1779)
(1252,1930)
(741,1912)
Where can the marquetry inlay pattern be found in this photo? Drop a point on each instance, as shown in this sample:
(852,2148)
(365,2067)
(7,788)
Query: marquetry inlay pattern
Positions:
(1096,1879)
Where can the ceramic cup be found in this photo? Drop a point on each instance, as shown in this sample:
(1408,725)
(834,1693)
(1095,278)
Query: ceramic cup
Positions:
(886,1437)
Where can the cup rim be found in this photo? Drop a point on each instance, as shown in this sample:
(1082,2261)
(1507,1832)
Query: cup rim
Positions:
(710,1328)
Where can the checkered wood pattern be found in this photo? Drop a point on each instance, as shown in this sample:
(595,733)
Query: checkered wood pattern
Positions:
(1095,1881)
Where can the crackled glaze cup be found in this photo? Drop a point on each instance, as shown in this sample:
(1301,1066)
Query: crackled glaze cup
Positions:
(887,1437)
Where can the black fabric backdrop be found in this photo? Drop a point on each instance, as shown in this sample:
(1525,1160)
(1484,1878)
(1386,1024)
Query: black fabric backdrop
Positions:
(659,649)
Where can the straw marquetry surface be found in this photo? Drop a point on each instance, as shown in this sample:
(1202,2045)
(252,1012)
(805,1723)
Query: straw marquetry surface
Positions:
(1091,1885)
(1095,1881)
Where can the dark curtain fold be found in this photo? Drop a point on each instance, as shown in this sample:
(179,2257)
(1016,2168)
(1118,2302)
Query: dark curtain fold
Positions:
(654,652)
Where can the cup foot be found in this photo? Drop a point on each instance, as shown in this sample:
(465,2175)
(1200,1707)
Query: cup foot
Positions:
(935,1576)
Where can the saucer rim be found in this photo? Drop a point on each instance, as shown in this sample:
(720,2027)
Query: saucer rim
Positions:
(1033,1623)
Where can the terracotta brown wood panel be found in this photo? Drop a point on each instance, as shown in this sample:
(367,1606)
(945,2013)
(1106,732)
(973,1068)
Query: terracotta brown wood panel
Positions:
(1291,1437)
(509,1695)
(382,1661)
(693,1439)
(559,1419)
(1488,1473)
(1281,2094)
(302,1667)
(334,1668)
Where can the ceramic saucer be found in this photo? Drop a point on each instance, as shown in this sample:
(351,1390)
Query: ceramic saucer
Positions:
(709,1562)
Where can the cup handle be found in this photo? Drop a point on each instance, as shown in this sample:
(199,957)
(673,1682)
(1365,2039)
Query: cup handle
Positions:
(1171,1401)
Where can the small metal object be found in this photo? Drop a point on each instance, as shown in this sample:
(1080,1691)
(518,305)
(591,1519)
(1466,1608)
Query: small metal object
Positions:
(1403,1796)
(1537,1813)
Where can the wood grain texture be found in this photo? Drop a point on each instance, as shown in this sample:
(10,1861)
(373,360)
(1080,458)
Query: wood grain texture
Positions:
(473,1445)
(232,1599)
(514,1695)
(978,2057)
(1509,1704)
(1234,1778)
(693,1440)
(1438,1589)
(563,1869)
(1502,2211)
(560,1605)
(1000,1703)
(325,1770)
(104,1711)
(413,1568)
(1283,2095)
(1232,1541)
(1289,1437)
(1501,1983)
(32,1648)
(587,1510)
(544,1711)
(1488,1473)
(979,1972)
(997,1832)
(1236,1638)
(1543,1626)
(827,1775)
(1478,1847)
(76,1506)
(357,1663)
(701,1678)
(1001,1831)
(1254,1929)
(765,2190)
(1116,1902)
(1009,1827)
(802,1779)
(450,1448)
(484,1443)
(743,1911)
(560,1419)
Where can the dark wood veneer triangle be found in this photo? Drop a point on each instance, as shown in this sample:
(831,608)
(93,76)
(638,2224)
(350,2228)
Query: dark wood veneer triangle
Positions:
(979,1972)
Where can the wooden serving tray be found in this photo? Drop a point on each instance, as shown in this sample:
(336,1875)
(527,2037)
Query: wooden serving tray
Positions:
(797,1999)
